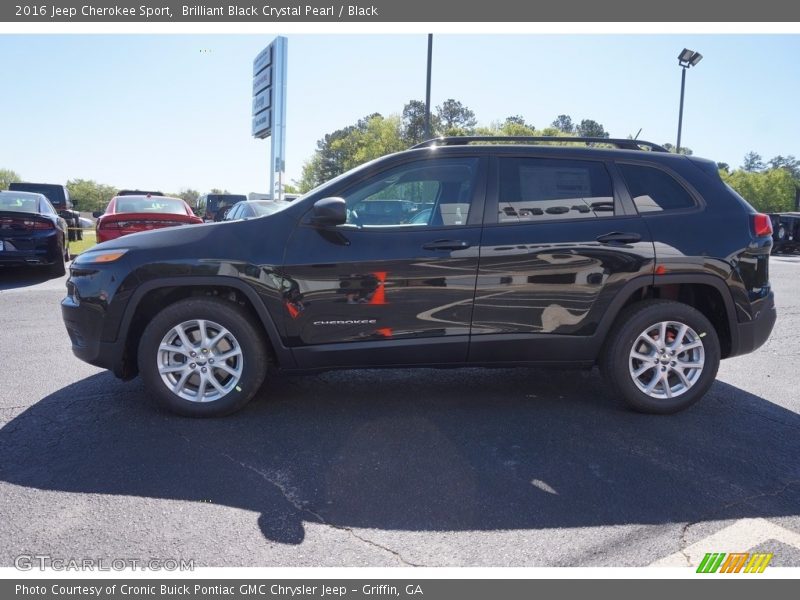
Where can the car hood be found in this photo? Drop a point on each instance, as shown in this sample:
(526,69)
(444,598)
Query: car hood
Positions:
(164,238)
(239,241)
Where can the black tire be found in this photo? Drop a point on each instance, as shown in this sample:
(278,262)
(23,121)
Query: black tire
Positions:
(59,267)
(247,333)
(616,360)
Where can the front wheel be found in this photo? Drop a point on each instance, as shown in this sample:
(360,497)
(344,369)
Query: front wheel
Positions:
(203,357)
(661,356)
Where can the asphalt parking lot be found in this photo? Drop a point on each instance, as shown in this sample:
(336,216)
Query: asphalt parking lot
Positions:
(391,468)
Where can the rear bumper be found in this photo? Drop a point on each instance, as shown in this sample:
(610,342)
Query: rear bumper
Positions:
(30,250)
(754,333)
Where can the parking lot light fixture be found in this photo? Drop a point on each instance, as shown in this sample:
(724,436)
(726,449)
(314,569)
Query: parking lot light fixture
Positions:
(686,59)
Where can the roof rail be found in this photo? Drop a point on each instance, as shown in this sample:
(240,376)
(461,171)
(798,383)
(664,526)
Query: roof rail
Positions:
(622,144)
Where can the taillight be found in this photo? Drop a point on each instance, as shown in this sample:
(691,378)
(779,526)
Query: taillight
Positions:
(16,223)
(762,225)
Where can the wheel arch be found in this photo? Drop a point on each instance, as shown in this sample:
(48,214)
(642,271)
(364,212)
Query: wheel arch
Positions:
(151,297)
(707,293)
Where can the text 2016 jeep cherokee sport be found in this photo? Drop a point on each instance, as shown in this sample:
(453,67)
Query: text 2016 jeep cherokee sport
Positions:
(453,253)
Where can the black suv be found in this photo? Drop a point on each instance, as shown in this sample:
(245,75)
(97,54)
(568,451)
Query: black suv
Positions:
(59,198)
(786,232)
(522,253)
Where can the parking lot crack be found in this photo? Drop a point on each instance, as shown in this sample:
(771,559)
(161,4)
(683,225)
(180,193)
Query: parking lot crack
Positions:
(778,491)
(298,504)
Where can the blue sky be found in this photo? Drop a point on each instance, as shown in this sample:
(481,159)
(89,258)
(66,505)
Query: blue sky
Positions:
(172,111)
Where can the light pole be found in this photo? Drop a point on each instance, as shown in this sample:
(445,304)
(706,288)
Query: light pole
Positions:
(428,90)
(687,58)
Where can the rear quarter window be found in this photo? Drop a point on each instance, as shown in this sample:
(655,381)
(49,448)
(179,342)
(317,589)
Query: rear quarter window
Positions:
(654,190)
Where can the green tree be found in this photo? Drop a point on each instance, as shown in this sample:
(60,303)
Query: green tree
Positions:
(518,121)
(723,166)
(455,118)
(8,176)
(766,191)
(684,149)
(90,196)
(790,163)
(564,123)
(590,128)
(413,123)
(753,162)
(188,195)
(372,137)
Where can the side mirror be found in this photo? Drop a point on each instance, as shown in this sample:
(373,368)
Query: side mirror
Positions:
(330,212)
(97,214)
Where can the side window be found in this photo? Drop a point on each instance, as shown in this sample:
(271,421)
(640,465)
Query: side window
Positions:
(653,190)
(430,193)
(539,189)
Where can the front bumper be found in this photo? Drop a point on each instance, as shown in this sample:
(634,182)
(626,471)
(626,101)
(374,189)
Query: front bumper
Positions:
(84,326)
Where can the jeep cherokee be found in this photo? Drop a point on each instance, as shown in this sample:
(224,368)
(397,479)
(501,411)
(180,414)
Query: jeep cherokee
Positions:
(506,251)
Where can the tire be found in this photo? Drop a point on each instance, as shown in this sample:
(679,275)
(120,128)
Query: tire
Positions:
(628,340)
(244,370)
(59,267)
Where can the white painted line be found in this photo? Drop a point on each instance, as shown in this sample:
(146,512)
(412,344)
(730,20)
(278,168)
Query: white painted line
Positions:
(742,536)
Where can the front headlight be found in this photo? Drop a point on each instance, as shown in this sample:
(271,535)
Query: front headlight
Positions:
(99,257)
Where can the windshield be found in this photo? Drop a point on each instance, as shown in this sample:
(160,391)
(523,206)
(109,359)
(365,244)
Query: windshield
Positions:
(156,204)
(268,207)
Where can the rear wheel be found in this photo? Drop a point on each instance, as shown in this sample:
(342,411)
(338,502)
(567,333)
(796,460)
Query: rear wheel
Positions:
(661,356)
(203,357)
(59,266)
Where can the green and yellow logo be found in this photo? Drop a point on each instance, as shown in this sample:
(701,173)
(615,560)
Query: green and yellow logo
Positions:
(735,562)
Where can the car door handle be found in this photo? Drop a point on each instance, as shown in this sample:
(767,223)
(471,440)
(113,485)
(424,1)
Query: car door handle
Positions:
(619,237)
(446,245)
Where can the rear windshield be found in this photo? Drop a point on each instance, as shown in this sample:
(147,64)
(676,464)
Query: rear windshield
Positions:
(54,193)
(217,201)
(18,203)
(170,206)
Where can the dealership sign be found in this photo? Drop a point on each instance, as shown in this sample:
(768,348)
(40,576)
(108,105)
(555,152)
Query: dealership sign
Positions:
(268,111)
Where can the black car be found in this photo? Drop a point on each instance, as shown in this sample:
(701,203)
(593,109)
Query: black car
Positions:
(250,209)
(213,207)
(59,198)
(785,232)
(527,253)
(32,233)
